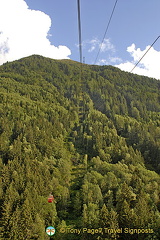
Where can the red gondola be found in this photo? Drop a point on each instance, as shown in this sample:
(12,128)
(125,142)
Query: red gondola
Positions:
(50,198)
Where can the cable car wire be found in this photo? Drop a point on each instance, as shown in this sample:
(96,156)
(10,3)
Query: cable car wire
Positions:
(144,54)
(106,31)
(79,30)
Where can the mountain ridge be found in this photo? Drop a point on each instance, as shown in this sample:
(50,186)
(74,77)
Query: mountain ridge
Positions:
(90,135)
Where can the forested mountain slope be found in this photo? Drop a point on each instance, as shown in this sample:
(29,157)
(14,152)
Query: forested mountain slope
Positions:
(88,134)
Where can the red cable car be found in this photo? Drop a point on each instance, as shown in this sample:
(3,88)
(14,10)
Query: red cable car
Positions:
(50,198)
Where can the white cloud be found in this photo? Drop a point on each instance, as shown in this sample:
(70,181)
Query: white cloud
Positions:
(115,59)
(102,62)
(110,60)
(95,44)
(24,32)
(149,65)
(106,46)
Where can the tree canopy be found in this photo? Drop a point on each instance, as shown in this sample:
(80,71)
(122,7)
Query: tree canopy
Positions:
(89,135)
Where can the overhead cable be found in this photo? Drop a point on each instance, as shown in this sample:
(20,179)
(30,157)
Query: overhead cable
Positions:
(106,31)
(144,54)
(79,30)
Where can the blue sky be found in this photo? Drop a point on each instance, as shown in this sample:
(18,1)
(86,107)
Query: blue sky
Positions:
(50,28)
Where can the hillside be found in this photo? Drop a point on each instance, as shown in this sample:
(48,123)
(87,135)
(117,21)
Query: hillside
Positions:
(90,135)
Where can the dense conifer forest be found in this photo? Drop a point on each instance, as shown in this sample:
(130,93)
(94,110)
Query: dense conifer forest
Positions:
(89,135)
